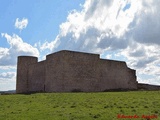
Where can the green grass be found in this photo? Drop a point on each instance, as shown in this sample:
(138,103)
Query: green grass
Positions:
(79,106)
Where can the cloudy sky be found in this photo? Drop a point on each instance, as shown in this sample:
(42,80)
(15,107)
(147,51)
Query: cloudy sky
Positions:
(126,30)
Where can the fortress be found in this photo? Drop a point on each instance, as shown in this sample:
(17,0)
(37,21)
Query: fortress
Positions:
(69,71)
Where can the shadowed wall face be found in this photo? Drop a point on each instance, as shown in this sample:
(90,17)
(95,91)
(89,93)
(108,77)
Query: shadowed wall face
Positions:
(22,73)
(36,77)
(116,75)
(80,71)
(54,73)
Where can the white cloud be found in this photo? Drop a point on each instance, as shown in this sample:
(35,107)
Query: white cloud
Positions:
(21,24)
(7,81)
(98,27)
(8,75)
(8,56)
(3,51)
(145,26)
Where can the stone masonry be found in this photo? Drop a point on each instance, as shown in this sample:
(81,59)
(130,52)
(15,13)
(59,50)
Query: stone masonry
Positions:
(67,71)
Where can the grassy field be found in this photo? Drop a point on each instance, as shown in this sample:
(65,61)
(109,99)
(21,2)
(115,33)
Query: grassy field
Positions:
(80,106)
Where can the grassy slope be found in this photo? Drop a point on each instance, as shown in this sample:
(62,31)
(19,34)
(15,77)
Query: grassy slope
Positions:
(79,106)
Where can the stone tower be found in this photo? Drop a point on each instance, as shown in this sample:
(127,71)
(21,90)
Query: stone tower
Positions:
(22,72)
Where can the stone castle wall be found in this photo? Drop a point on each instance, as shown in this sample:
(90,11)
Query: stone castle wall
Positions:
(67,71)
(142,86)
(36,77)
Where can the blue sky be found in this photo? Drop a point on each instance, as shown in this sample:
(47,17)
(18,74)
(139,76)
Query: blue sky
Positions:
(125,30)
(44,17)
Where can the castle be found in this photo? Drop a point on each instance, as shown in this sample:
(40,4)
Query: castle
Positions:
(67,71)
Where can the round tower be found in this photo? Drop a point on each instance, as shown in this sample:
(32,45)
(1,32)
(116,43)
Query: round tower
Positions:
(22,72)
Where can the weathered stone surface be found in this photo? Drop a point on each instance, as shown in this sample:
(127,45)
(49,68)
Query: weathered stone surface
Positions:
(36,77)
(67,71)
(142,86)
(22,73)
